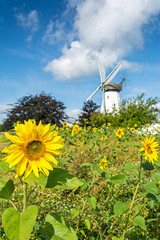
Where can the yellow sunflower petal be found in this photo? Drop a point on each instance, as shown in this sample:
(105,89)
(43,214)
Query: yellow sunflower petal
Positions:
(49,157)
(21,166)
(31,145)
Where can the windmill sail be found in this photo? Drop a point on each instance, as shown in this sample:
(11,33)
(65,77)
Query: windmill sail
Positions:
(107,80)
(102,76)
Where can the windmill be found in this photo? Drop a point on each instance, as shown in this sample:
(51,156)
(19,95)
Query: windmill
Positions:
(110,90)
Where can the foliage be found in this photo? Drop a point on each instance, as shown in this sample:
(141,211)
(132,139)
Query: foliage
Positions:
(87,110)
(2,127)
(81,199)
(39,107)
(131,111)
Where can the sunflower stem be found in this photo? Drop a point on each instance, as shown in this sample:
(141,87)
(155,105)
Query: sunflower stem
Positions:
(25,198)
(10,201)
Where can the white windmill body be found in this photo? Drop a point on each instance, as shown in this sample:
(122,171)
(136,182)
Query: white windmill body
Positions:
(110,90)
(112,97)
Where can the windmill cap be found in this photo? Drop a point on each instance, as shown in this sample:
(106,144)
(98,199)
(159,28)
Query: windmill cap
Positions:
(113,86)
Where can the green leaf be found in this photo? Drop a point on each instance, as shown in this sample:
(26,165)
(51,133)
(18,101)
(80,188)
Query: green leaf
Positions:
(129,167)
(87,223)
(152,220)
(83,233)
(72,142)
(86,165)
(74,212)
(105,175)
(92,202)
(85,183)
(118,179)
(97,168)
(61,178)
(42,180)
(53,127)
(138,208)
(156,177)
(4,167)
(31,178)
(140,222)
(6,188)
(61,160)
(19,226)
(55,238)
(150,188)
(120,208)
(147,166)
(4,140)
(57,226)
(157,163)
(151,204)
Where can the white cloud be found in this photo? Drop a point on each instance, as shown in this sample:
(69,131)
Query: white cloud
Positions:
(105,29)
(4,108)
(3,111)
(29,21)
(73,114)
(139,90)
(54,32)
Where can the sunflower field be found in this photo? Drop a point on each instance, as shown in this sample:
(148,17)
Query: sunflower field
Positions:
(80,183)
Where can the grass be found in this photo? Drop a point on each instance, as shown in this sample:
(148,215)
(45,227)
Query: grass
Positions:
(93,223)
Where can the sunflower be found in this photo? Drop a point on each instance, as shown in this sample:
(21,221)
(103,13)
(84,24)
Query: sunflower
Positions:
(103,163)
(76,129)
(120,132)
(65,124)
(95,129)
(132,130)
(32,148)
(150,149)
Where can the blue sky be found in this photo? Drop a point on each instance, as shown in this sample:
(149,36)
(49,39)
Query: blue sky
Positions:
(55,46)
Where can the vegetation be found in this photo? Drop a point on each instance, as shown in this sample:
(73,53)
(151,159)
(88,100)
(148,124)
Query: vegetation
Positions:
(132,111)
(39,107)
(2,127)
(103,188)
(87,111)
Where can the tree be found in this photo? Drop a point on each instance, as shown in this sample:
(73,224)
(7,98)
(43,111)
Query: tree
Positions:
(139,110)
(39,107)
(132,111)
(87,110)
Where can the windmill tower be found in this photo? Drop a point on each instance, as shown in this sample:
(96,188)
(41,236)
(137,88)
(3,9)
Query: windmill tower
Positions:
(110,90)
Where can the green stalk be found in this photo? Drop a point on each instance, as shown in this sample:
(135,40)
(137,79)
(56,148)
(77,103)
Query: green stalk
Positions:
(133,200)
(25,198)
(10,201)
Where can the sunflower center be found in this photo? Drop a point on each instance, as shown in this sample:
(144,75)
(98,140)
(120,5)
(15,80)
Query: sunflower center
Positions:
(149,149)
(35,148)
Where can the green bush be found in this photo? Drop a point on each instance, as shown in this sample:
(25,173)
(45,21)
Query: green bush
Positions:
(2,127)
(132,111)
